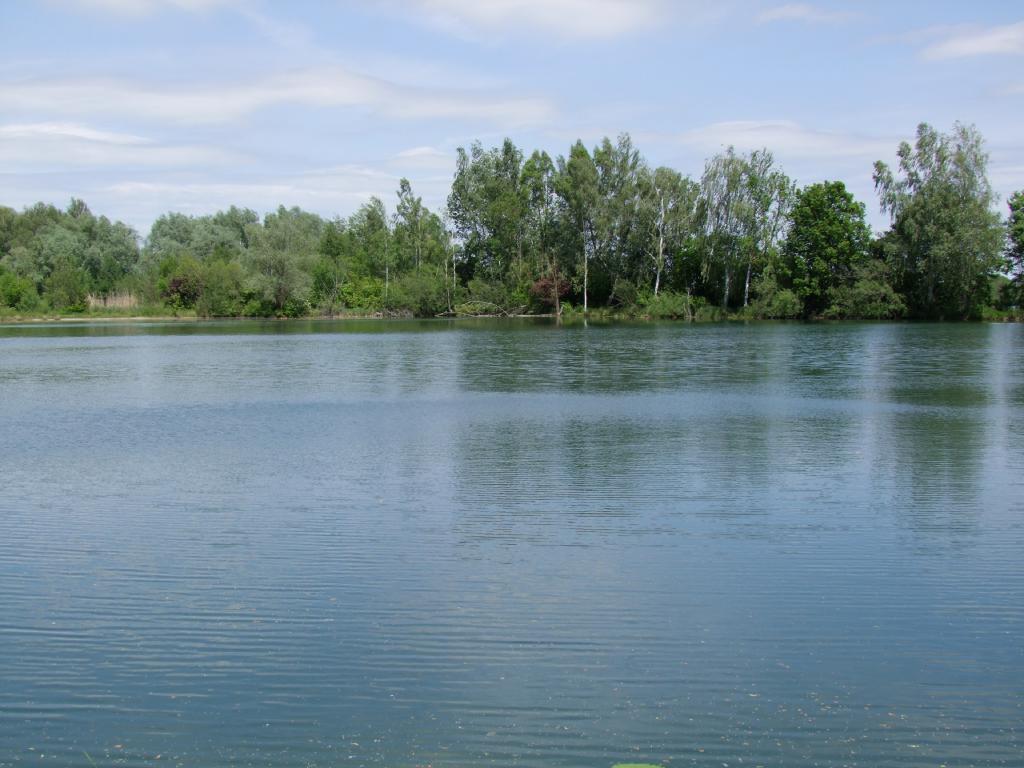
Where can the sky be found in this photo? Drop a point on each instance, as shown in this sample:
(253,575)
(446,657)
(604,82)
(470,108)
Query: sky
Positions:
(141,107)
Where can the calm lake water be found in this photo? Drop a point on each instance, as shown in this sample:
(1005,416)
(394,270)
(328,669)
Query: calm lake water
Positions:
(509,543)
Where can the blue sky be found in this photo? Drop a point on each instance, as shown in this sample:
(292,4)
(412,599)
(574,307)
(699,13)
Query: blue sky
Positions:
(145,106)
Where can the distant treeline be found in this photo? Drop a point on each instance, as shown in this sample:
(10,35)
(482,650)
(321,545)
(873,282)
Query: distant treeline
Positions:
(596,230)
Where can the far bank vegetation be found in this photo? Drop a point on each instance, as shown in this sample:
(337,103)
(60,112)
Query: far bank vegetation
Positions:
(596,230)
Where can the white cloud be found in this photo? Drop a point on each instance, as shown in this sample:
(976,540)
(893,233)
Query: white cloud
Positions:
(68,131)
(963,43)
(139,199)
(144,7)
(578,19)
(787,138)
(338,190)
(566,18)
(1006,177)
(48,147)
(803,12)
(808,155)
(324,88)
(425,158)
(417,153)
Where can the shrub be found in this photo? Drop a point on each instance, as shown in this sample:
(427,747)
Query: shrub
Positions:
(222,290)
(772,301)
(67,288)
(422,293)
(17,292)
(624,292)
(365,294)
(543,291)
(871,297)
(709,313)
(181,281)
(494,293)
(667,304)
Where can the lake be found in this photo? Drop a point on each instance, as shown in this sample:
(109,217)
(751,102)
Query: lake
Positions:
(502,543)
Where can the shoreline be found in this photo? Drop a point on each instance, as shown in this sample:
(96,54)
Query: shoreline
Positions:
(593,316)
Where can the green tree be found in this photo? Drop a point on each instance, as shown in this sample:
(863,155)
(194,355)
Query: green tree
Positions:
(111,255)
(745,200)
(329,272)
(828,241)
(577,187)
(171,235)
(16,292)
(868,296)
(67,285)
(672,199)
(723,187)
(233,226)
(543,231)
(410,227)
(32,222)
(768,197)
(421,292)
(59,246)
(281,256)
(1015,240)
(621,232)
(948,239)
(222,289)
(773,301)
(488,208)
(373,253)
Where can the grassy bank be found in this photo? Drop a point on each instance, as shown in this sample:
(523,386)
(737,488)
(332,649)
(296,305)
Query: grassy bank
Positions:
(569,315)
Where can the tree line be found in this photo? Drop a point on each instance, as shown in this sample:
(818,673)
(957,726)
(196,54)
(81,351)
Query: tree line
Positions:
(595,230)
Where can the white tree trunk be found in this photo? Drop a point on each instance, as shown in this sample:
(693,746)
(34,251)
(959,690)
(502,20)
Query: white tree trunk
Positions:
(661,247)
(746,286)
(586,267)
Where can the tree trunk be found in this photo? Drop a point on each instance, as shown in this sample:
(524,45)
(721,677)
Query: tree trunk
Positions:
(519,255)
(725,293)
(387,273)
(586,265)
(419,242)
(447,285)
(661,261)
(661,247)
(555,288)
(746,284)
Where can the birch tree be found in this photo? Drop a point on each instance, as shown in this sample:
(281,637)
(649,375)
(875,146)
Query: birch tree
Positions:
(618,232)
(409,224)
(768,199)
(576,185)
(674,201)
(722,194)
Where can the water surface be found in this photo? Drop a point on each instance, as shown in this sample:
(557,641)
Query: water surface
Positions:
(511,543)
